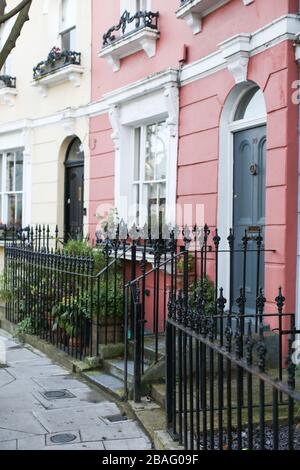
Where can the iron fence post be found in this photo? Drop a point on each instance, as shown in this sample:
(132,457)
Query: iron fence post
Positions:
(137,352)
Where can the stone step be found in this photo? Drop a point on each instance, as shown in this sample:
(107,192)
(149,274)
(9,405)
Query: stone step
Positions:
(158,394)
(150,346)
(116,367)
(106,382)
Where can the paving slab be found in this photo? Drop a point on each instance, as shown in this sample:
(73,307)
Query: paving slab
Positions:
(128,444)
(17,388)
(79,446)
(124,430)
(21,355)
(36,371)
(5,378)
(9,445)
(82,397)
(28,419)
(79,417)
(23,421)
(59,382)
(32,443)
(10,434)
(13,404)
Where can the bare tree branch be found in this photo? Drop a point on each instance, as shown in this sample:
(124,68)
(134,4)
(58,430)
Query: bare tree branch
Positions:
(2,7)
(7,16)
(15,32)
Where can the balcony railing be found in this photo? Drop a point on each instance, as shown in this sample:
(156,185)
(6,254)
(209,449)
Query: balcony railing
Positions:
(55,61)
(6,81)
(143,19)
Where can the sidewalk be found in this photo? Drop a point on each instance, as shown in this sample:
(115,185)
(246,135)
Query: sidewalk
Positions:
(43,407)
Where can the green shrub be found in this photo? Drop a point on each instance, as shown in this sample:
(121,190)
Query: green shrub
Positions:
(206,291)
(25,327)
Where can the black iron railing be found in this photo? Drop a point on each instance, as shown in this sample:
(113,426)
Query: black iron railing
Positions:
(65,292)
(142,19)
(6,81)
(230,366)
(220,392)
(56,60)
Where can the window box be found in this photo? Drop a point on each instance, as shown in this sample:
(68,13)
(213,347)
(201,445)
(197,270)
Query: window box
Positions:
(192,11)
(8,90)
(60,66)
(143,37)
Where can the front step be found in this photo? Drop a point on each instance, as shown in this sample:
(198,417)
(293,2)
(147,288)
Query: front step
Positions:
(158,394)
(116,368)
(149,348)
(106,382)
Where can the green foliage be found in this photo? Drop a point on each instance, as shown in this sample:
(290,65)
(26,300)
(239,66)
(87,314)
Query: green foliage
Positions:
(81,247)
(5,292)
(64,301)
(25,327)
(114,299)
(69,314)
(180,264)
(206,291)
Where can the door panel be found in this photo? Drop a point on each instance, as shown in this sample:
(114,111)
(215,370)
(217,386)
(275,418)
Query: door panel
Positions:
(249,191)
(74,200)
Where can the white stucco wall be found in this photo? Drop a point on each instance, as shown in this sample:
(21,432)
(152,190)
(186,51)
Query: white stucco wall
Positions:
(43,126)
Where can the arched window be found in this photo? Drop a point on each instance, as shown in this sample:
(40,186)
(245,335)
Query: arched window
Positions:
(75,152)
(252,105)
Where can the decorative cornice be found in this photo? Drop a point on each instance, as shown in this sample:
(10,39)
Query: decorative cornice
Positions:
(150,84)
(171,95)
(236,53)
(193,12)
(114,117)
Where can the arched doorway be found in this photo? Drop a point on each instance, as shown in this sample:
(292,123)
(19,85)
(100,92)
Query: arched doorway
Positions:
(74,189)
(249,194)
(242,186)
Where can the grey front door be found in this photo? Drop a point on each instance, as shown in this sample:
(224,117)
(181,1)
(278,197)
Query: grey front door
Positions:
(249,196)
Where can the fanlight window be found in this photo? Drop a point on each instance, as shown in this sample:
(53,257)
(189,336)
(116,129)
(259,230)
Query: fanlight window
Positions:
(252,105)
(75,152)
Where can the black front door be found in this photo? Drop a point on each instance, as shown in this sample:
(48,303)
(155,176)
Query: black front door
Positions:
(74,206)
(249,190)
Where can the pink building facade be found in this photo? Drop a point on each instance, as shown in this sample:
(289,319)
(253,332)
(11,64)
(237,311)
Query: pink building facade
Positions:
(212,89)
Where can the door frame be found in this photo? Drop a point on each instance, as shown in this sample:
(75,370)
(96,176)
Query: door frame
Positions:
(67,165)
(228,127)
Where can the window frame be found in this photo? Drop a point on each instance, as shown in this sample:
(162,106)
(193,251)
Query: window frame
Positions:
(64,30)
(142,183)
(4,193)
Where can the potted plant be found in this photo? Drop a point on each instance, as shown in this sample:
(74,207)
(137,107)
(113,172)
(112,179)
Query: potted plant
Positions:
(108,313)
(71,316)
(180,271)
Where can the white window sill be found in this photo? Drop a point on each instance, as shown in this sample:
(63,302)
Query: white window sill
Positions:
(8,96)
(142,39)
(149,259)
(194,10)
(71,73)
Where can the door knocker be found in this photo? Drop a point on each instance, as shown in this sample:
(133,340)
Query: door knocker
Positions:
(253,169)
